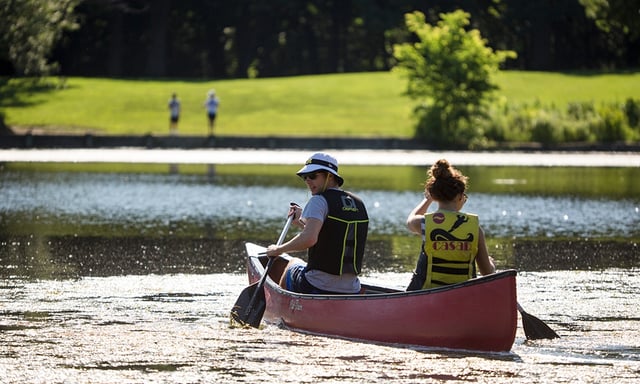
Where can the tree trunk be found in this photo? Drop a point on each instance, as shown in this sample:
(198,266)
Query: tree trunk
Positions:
(156,57)
(4,130)
(116,46)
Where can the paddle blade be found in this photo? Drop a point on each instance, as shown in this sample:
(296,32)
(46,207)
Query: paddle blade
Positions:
(250,306)
(536,329)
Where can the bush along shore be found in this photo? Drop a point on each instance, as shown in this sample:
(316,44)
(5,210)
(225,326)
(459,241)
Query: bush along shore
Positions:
(33,141)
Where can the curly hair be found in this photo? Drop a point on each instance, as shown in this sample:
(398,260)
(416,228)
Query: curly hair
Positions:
(445,182)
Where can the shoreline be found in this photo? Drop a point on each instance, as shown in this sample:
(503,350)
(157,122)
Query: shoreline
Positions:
(29,140)
(180,149)
(368,157)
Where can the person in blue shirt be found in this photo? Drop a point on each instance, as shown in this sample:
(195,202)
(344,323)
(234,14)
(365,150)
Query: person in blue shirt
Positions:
(174,113)
(212,104)
(334,226)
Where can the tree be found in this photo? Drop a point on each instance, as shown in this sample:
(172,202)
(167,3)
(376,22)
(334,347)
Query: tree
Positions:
(30,30)
(4,130)
(450,70)
(615,14)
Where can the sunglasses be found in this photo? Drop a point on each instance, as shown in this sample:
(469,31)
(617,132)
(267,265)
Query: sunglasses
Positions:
(310,176)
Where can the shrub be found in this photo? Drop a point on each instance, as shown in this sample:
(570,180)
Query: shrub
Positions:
(450,70)
(632,112)
(581,110)
(578,131)
(612,126)
(545,128)
(579,122)
(496,127)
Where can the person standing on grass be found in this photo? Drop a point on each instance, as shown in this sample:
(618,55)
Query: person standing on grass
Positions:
(453,242)
(174,114)
(212,104)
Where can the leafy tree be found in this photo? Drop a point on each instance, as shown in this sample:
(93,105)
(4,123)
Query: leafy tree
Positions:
(30,30)
(610,14)
(450,70)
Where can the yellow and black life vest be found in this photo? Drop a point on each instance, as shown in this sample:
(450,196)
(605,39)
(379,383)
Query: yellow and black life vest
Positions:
(450,243)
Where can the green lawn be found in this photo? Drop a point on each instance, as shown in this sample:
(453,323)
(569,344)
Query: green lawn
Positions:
(361,104)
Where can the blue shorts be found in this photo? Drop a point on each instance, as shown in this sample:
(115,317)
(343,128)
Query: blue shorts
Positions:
(297,282)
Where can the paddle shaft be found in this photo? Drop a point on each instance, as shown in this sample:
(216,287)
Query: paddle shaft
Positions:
(266,270)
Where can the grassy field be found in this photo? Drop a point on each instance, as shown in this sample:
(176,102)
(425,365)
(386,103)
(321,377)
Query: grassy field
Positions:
(361,104)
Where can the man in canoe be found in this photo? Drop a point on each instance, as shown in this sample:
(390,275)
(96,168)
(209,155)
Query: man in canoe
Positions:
(334,230)
(453,241)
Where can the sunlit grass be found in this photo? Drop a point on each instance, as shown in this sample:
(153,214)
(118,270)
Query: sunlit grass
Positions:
(559,89)
(356,105)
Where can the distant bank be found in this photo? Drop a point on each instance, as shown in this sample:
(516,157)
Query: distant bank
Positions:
(27,141)
(87,141)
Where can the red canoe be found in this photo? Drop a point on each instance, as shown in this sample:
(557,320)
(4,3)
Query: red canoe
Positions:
(479,314)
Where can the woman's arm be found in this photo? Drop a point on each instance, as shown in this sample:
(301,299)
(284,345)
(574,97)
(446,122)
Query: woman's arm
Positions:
(484,261)
(416,215)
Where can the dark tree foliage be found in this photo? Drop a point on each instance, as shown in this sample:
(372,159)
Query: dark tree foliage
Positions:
(249,38)
(30,30)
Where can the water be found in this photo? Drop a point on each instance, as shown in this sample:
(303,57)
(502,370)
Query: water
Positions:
(175,328)
(151,200)
(112,278)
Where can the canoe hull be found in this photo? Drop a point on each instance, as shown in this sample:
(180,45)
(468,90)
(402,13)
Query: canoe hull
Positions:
(480,314)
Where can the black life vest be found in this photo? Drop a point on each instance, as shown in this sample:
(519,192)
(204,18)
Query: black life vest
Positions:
(342,238)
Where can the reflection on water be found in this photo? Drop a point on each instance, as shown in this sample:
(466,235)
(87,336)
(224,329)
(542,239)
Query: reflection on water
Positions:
(168,204)
(65,224)
(110,278)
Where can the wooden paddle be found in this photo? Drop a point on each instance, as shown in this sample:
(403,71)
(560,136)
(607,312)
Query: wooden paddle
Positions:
(250,306)
(534,328)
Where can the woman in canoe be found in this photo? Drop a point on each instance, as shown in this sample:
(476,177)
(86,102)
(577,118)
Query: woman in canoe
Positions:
(453,241)
(334,230)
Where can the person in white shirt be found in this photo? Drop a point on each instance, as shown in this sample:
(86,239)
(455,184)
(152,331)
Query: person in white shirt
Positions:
(212,104)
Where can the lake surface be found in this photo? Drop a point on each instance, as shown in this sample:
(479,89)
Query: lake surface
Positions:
(112,277)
